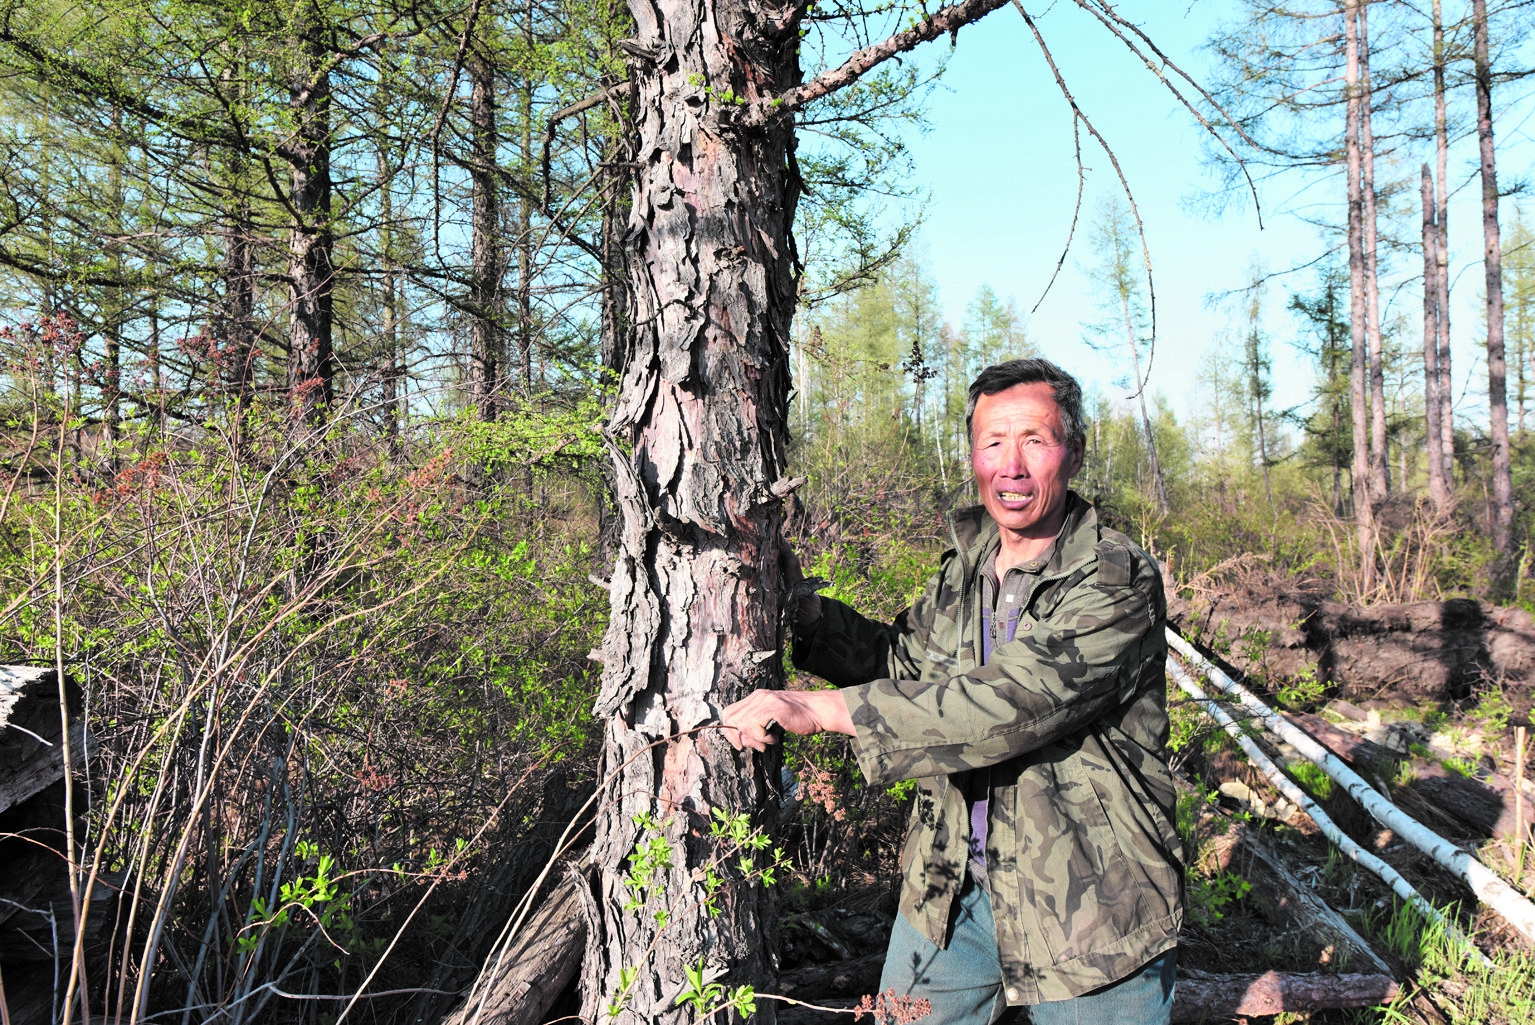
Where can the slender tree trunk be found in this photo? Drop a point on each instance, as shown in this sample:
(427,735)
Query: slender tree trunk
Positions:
(115,312)
(1380,473)
(1438,492)
(485,246)
(389,299)
(237,326)
(238,317)
(701,431)
(1364,519)
(525,225)
(1140,389)
(1334,353)
(311,367)
(1442,254)
(1492,257)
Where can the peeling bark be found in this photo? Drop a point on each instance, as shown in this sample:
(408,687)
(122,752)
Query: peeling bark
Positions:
(698,439)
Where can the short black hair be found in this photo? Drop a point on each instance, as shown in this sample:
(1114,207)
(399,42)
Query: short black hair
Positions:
(1035,370)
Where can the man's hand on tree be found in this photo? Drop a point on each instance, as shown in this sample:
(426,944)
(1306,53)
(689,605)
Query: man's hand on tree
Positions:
(749,722)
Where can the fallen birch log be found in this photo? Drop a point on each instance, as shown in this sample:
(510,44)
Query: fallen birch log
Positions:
(529,974)
(1489,888)
(1400,886)
(1200,996)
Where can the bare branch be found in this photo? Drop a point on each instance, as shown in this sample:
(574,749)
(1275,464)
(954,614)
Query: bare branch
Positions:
(948,19)
(1111,20)
(1140,227)
(1076,210)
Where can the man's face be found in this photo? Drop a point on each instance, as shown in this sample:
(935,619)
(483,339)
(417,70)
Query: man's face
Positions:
(1022,461)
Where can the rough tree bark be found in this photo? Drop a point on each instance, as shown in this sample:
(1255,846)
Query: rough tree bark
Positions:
(1492,258)
(698,439)
(1380,472)
(1437,490)
(485,245)
(311,276)
(1364,516)
(1442,253)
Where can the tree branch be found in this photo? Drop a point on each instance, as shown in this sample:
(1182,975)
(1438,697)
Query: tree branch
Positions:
(948,19)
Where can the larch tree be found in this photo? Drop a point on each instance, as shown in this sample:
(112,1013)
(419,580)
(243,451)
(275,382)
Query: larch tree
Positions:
(1380,473)
(1439,493)
(1492,262)
(698,440)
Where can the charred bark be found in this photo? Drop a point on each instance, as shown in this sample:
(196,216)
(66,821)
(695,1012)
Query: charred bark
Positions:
(698,443)
(1492,259)
(311,274)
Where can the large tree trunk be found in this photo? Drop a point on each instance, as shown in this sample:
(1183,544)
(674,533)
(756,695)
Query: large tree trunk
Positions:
(699,452)
(1442,254)
(1431,406)
(1364,517)
(311,275)
(1380,473)
(485,245)
(1492,256)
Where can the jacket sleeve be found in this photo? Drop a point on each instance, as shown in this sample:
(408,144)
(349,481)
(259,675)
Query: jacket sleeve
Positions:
(846,648)
(1061,672)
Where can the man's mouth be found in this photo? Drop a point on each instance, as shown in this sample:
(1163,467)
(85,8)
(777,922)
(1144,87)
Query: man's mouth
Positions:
(1013,496)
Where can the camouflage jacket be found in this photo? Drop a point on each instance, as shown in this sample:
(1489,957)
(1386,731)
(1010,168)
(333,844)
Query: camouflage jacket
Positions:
(1082,852)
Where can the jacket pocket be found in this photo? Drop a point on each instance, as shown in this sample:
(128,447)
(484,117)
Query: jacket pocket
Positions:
(1086,891)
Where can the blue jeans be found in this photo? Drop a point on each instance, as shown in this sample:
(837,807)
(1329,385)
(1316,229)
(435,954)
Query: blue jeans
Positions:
(964,980)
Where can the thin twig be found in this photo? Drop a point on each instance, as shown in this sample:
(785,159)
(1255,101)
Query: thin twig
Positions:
(1124,182)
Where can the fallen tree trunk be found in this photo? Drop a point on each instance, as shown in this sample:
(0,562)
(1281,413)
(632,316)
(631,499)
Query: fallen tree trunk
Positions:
(523,979)
(1308,911)
(1200,996)
(1400,886)
(1490,888)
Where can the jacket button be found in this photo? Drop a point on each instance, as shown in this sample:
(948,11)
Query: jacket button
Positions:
(1028,625)
(1012,993)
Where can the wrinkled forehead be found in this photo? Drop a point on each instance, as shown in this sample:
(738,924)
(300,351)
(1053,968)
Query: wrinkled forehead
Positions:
(1023,408)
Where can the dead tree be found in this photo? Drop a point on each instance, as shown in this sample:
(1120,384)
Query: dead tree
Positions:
(1364,516)
(1431,313)
(1492,259)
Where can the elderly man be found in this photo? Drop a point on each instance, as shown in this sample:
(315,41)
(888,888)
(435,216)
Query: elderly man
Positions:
(1025,692)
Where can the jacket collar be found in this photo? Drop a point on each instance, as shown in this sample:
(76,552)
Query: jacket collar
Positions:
(975,534)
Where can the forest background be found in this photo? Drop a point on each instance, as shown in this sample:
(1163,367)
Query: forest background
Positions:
(309,318)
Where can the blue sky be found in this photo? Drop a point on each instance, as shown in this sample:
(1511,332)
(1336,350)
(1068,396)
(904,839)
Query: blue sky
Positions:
(997,165)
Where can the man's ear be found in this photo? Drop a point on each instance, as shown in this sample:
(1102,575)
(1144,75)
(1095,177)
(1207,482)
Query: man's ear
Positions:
(1078,457)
